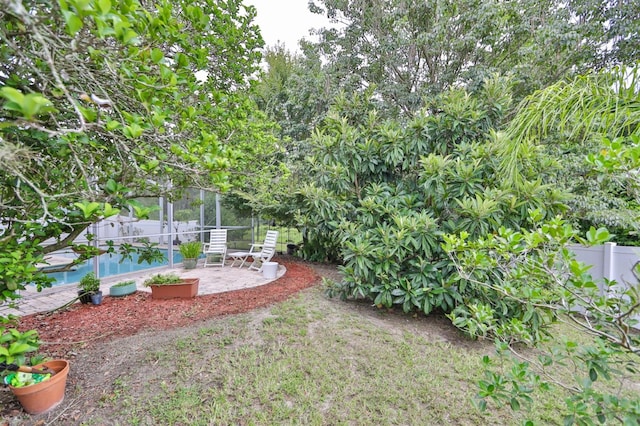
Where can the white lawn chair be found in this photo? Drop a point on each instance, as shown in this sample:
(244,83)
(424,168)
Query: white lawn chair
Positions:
(256,250)
(215,251)
(263,256)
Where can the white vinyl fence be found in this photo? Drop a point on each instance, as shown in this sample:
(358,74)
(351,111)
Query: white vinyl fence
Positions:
(612,262)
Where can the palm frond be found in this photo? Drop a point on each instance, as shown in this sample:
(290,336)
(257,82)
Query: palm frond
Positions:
(592,105)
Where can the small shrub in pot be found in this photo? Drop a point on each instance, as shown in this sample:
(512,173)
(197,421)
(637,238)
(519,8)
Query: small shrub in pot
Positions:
(190,252)
(88,285)
(162,279)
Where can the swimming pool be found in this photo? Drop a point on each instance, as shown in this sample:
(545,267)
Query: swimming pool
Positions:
(110,265)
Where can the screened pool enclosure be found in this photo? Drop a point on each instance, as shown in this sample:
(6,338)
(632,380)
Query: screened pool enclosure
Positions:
(171,224)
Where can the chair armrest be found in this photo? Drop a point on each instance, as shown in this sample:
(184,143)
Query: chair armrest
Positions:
(254,246)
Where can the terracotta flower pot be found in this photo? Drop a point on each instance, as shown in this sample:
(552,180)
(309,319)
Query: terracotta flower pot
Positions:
(186,289)
(44,396)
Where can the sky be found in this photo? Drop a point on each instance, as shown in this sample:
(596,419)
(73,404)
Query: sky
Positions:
(285,21)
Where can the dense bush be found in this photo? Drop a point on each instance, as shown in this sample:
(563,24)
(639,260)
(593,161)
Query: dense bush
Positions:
(385,192)
(444,212)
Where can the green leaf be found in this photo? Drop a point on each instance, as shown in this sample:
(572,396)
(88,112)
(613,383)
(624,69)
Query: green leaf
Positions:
(89,114)
(132,131)
(156,55)
(602,418)
(111,186)
(515,405)
(104,6)
(18,348)
(182,60)
(11,94)
(88,209)
(112,125)
(109,210)
(129,36)
(598,236)
(74,23)
(34,104)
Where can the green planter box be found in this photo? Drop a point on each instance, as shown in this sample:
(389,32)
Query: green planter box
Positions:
(122,290)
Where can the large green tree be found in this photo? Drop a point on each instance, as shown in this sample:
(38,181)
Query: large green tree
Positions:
(102,102)
(411,49)
(294,91)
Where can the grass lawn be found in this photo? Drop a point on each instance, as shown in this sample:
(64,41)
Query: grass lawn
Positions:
(308,361)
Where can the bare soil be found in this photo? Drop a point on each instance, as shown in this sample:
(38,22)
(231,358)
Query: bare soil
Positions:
(101,340)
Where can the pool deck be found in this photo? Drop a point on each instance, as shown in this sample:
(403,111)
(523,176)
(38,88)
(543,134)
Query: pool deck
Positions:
(213,279)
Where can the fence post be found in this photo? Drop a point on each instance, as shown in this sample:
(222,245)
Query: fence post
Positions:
(218,212)
(96,244)
(608,261)
(202,216)
(171,236)
(161,221)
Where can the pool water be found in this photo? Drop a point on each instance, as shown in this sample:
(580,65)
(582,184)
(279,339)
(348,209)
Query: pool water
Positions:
(110,265)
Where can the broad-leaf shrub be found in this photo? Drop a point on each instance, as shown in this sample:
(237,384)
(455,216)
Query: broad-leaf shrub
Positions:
(535,274)
(383,193)
(14,345)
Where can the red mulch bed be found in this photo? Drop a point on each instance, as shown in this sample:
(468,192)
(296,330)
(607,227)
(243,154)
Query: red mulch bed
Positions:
(86,325)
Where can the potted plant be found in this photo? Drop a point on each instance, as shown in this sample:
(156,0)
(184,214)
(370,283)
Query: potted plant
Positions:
(123,288)
(89,289)
(190,252)
(39,388)
(168,286)
(292,248)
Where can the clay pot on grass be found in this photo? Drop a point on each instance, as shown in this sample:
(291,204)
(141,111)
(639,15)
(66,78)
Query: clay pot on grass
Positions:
(46,395)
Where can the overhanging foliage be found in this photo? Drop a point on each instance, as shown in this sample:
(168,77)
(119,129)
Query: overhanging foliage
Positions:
(103,102)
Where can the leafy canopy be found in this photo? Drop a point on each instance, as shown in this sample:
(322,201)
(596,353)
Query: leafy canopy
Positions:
(102,102)
(411,50)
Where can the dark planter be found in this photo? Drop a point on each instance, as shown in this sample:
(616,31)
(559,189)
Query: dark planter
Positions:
(291,249)
(186,289)
(96,298)
(84,296)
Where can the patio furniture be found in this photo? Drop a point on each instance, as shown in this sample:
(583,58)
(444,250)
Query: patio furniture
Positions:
(215,251)
(238,256)
(255,252)
(262,257)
